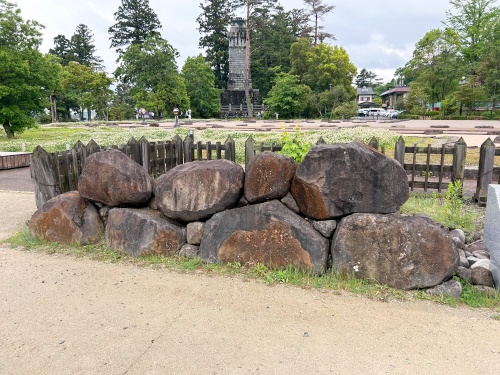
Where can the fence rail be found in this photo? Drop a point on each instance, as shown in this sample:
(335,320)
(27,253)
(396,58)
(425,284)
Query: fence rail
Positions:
(10,160)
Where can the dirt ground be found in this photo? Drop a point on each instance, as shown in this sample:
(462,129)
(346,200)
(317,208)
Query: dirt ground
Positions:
(62,315)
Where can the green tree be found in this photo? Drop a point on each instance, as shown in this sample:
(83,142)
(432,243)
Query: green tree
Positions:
(62,49)
(416,101)
(470,94)
(135,21)
(122,105)
(321,66)
(200,81)
(288,97)
(151,71)
(83,49)
(317,11)
(489,69)
(87,88)
(469,18)
(436,64)
(27,77)
(367,78)
(275,32)
(213,22)
(346,110)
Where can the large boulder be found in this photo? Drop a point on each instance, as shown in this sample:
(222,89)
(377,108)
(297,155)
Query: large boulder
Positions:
(405,252)
(68,219)
(142,232)
(196,190)
(340,179)
(266,233)
(112,178)
(268,176)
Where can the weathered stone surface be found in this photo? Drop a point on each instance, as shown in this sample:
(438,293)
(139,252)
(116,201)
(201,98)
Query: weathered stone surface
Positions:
(325,227)
(142,232)
(476,246)
(290,203)
(465,273)
(488,290)
(68,219)
(266,233)
(404,252)
(481,273)
(464,262)
(195,232)
(451,288)
(112,178)
(196,190)
(458,243)
(481,254)
(268,176)
(189,251)
(458,233)
(336,180)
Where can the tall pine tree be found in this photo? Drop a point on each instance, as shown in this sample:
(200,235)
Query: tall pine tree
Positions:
(214,20)
(135,21)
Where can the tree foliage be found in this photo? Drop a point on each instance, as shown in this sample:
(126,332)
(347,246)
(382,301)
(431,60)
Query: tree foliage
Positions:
(200,81)
(288,97)
(367,78)
(135,21)
(27,77)
(151,71)
(213,22)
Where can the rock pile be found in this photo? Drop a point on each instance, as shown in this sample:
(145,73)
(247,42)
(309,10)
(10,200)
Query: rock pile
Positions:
(337,209)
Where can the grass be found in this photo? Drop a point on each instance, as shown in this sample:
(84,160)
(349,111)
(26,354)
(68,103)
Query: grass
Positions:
(259,272)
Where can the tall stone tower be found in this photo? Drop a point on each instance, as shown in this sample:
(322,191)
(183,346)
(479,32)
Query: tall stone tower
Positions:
(233,99)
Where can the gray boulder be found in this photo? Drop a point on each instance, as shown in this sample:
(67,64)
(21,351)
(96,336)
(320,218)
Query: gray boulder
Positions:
(142,232)
(458,233)
(195,232)
(405,252)
(268,176)
(340,179)
(481,273)
(189,251)
(196,190)
(67,219)
(290,203)
(325,227)
(266,233)
(465,274)
(112,178)
(450,288)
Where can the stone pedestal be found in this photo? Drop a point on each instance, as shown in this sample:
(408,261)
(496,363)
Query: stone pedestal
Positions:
(492,231)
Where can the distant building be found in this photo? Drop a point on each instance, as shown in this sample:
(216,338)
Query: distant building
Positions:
(391,96)
(365,97)
(233,102)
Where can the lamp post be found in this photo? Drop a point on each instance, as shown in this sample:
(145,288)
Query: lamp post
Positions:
(176,114)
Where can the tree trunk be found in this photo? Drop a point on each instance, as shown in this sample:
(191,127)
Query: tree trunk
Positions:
(53,109)
(8,130)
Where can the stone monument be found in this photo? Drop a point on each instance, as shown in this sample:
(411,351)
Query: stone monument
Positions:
(492,231)
(232,100)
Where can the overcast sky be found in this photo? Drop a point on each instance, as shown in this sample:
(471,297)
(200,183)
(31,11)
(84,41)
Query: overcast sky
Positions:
(378,36)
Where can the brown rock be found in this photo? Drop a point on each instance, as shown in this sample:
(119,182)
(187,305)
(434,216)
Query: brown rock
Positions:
(196,190)
(266,233)
(268,176)
(112,178)
(404,252)
(336,180)
(142,232)
(68,219)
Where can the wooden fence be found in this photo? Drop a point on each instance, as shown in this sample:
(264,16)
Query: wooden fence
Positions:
(58,172)
(10,160)
(428,168)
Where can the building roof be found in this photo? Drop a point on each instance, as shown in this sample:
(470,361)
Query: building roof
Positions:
(365,91)
(396,90)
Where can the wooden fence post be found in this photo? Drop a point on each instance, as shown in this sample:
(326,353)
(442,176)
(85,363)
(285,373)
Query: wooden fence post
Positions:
(145,154)
(320,141)
(134,150)
(188,149)
(43,171)
(373,143)
(178,152)
(399,151)
(249,150)
(485,173)
(459,155)
(230,149)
